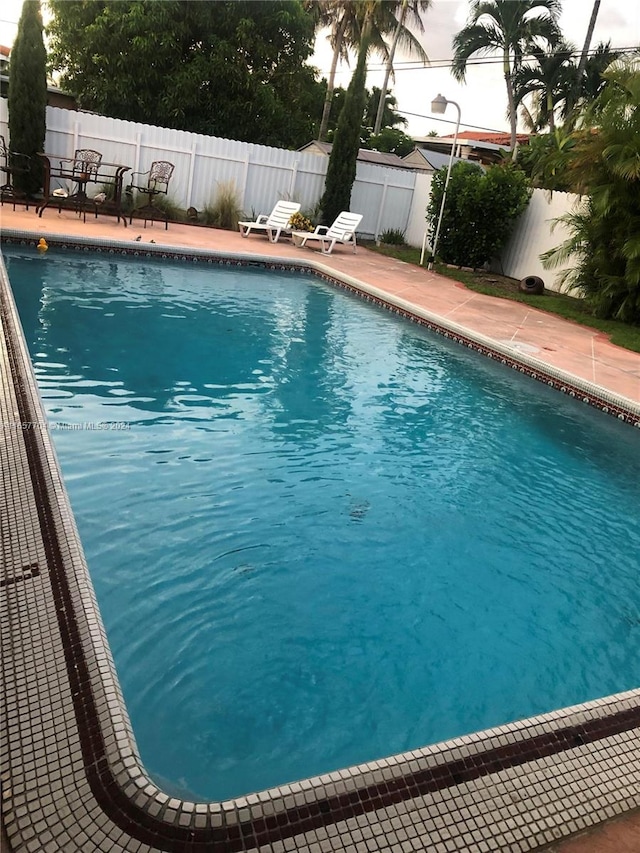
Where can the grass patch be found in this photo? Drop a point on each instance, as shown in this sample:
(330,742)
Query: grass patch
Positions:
(493,284)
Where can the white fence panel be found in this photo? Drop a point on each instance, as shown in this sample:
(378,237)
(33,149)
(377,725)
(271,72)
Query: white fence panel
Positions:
(418,213)
(261,174)
(533,235)
(383,196)
(274,173)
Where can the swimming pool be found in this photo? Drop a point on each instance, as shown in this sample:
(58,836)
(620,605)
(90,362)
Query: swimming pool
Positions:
(403,481)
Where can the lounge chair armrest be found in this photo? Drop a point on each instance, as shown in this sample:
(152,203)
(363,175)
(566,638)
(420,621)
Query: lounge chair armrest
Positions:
(321,229)
(261,219)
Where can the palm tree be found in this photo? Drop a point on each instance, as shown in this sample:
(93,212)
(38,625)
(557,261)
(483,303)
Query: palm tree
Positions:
(411,9)
(605,165)
(341,18)
(546,160)
(390,116)
(510,28)
(548,80)
(591,82)
(346,19)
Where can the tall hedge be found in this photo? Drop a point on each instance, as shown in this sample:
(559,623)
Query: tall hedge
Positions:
(28,95)
(341,172)
(480,211)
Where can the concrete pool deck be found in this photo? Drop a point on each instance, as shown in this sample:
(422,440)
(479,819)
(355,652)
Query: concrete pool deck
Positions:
(524,786)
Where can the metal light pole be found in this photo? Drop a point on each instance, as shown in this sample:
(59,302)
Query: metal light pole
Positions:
(438,106)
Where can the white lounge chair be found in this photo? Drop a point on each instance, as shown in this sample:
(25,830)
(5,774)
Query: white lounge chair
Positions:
(273,224)
(343,231)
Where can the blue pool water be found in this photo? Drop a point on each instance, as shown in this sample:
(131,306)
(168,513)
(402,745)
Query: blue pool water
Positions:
(325,535)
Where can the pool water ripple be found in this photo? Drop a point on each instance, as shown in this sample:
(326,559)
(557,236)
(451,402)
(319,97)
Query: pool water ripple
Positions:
(326,536)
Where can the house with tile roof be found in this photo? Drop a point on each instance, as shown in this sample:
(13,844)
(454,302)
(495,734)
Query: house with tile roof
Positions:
(483,146)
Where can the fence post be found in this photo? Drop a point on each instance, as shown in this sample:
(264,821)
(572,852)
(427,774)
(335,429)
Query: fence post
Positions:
(245,178)
(136,163)
(381,208)
(76,135)
(192,166)
(292,182)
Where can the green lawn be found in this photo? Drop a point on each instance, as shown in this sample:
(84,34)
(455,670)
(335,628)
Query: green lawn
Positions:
(493,284)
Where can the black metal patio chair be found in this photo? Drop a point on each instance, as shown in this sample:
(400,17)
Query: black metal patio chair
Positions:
(85,165)
(11,164)
(151,184)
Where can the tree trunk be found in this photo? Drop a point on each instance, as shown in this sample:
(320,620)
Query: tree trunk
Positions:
(575,92)
(587,41)
(326,110)
(387,72)
(513,116)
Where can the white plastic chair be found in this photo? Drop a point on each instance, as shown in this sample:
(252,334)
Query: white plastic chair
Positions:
(274,224)
(342,231)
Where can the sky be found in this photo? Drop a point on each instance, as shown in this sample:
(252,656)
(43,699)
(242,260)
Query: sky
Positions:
(482,98)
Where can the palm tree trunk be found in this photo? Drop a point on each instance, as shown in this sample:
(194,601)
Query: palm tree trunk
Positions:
(577,84)
(326,110)
(587,41)
(387,72)
(513,116)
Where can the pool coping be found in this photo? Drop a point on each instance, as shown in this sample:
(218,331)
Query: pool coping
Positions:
(72,777)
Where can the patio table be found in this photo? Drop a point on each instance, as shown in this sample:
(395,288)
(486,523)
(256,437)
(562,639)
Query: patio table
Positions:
(66,171)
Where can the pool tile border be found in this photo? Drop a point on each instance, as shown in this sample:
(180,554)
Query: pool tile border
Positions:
(74,779)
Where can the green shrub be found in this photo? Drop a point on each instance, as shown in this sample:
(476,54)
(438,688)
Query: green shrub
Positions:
(224,211)
(393,141)
(480,211)
(393,237)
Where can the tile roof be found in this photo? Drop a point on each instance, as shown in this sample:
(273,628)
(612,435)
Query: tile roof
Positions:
(487,136)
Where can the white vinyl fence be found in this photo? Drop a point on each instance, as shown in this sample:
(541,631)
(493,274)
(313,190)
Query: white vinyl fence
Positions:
(261,174)
(414,234)
(387,198)
(536,233)
(533,234)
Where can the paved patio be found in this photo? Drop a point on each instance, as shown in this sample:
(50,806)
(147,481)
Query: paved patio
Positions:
(558,344)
